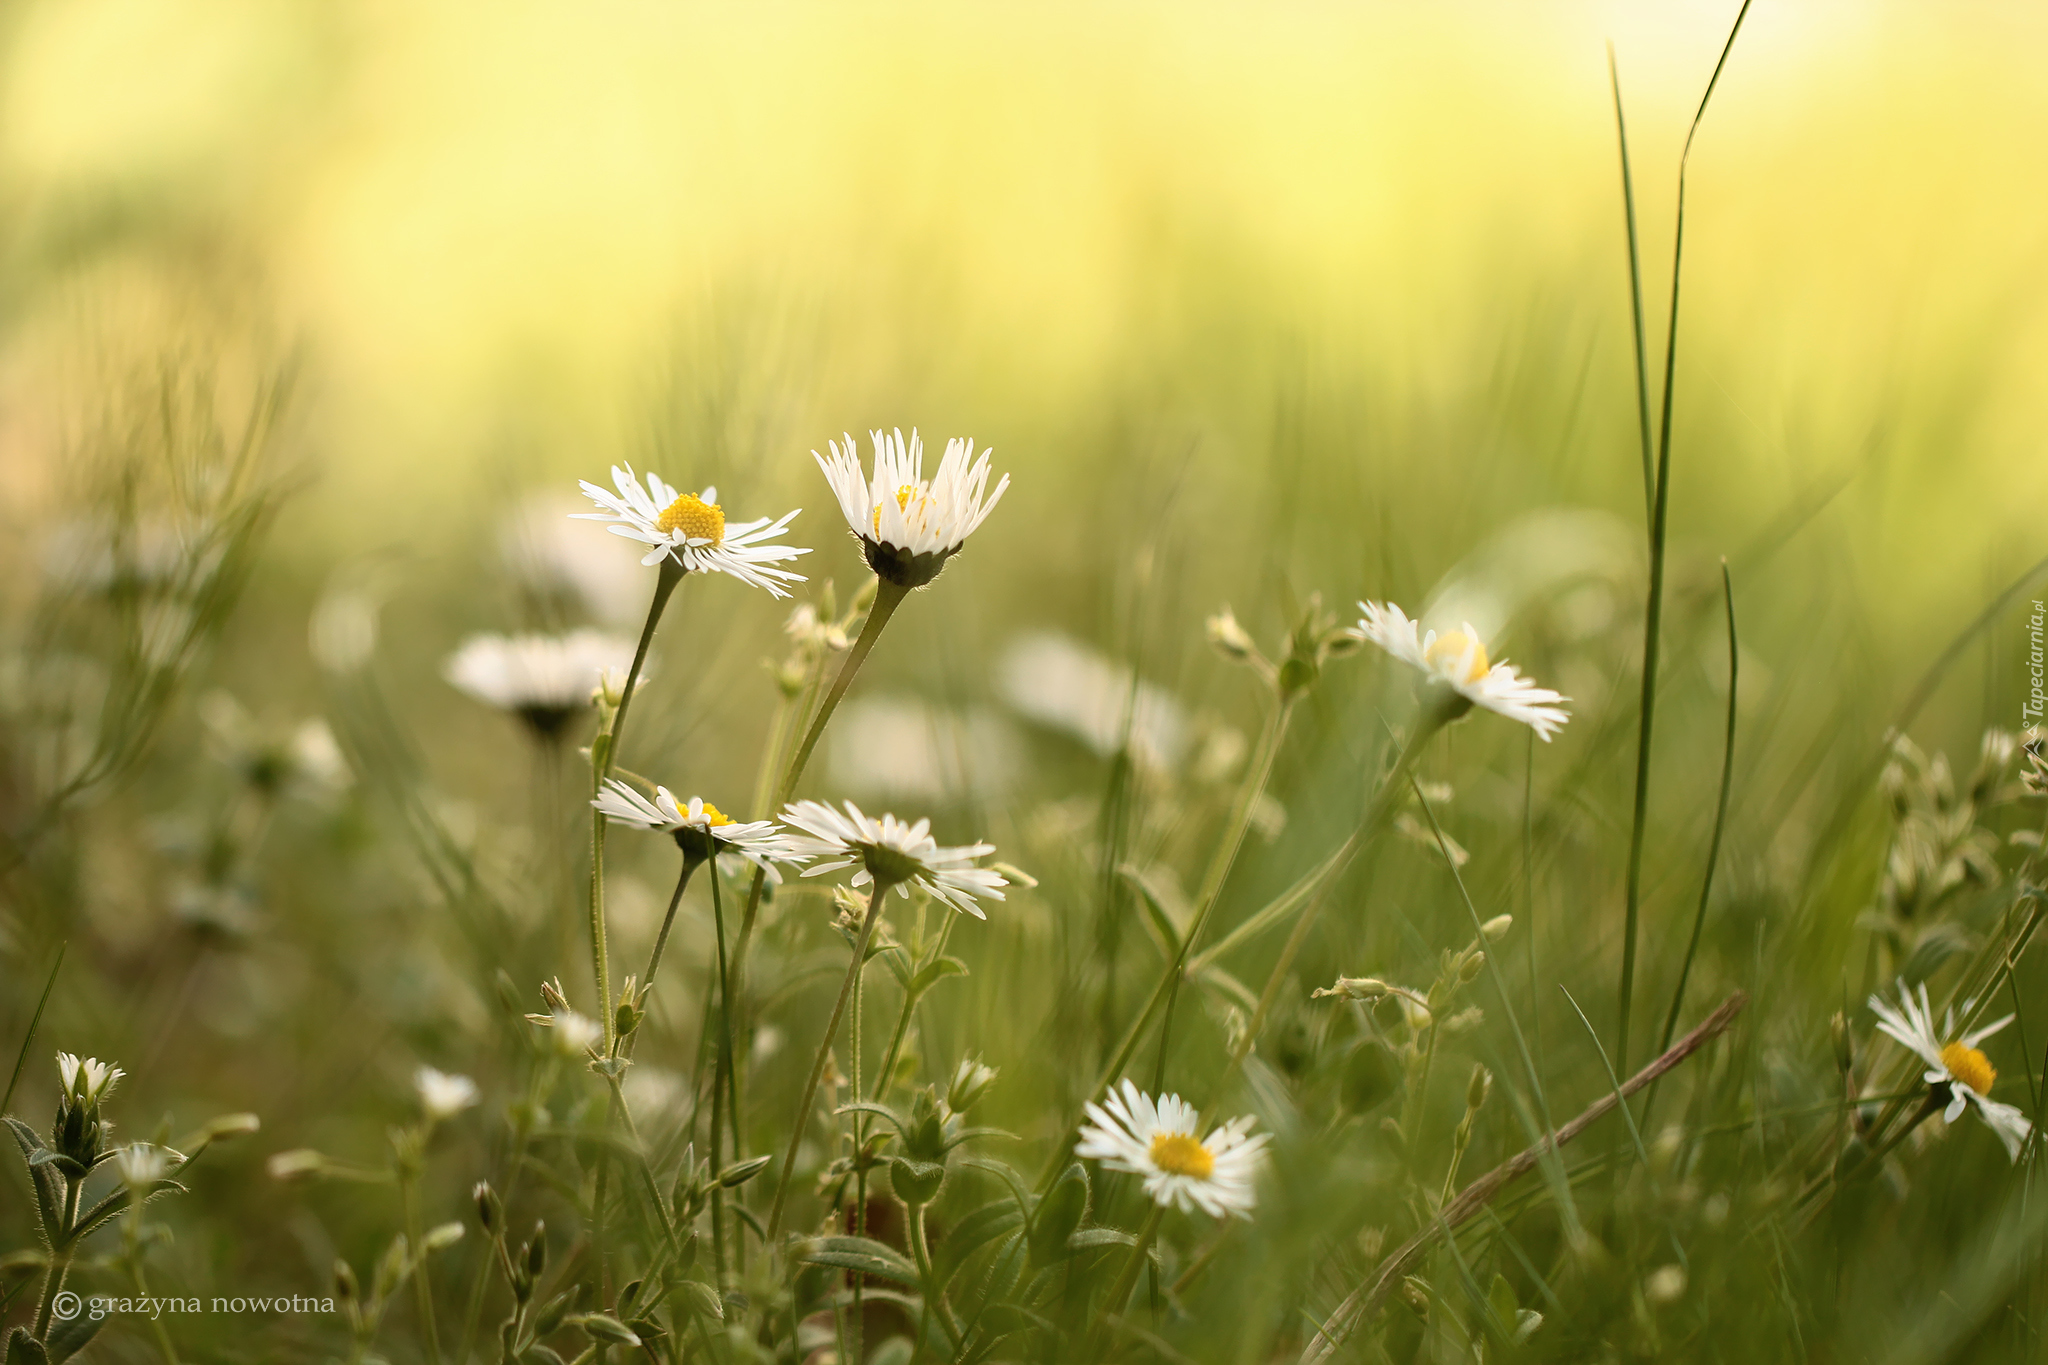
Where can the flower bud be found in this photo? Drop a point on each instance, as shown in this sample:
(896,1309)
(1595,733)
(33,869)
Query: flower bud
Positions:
(1469,967)
(300,1163)
(740,1172)
(1352,988)
(345,1287)
(440,1238)
(490,1209)
(1845,1048)
(1477,1087)
(971,1081)
(1496,929)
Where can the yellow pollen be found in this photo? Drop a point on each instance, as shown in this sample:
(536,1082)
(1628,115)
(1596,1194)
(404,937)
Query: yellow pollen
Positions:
(714,817)
(903,497)
(695,518)
(1179,1154)
(1446,650)
(1969,1066)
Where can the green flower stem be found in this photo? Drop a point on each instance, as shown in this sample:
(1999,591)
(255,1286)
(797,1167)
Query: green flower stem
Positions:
(934,1292)
(888,597)
(423,1290)
(879,892)
(603,753)
(1127,1279)
(668,920)
(1257,776)
(720,1079)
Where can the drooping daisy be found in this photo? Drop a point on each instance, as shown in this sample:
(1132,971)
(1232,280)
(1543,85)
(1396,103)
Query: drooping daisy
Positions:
(700,829)
(690,529)
(542,679)
(899,854)
(909,526)
(1957,1065)
(1456,660)
(443,1096)
(1129,1131)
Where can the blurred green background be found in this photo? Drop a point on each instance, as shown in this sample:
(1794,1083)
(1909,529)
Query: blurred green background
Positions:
(1252,302)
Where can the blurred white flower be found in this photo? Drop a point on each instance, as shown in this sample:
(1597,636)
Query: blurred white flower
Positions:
(908,525)
(542,679)
(1958,1066)
(690,529)
(1457,660)
(557,560)
(443,1096)
(569,1033)
(700,829)
(1061,683)
(1129,1131)
(141,1164)
(903,854)
(903,747)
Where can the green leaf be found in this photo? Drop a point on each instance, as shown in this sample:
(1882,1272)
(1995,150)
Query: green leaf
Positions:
(934,972)
(23,1349)
(1501,1299)
(1100,1237)
(68,1338)
(896,1120)
(1163,919)
(860,1253)
(969,1134)
(49,1185)
(980,1227)
(1058,1215)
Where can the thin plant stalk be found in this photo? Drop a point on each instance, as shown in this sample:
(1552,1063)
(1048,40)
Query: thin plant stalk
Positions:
(879,890)
(1376,817)
(1653,618)
(604,753)
(1256,778)
(668,920)
(1699,918)
(408,1191)
(1127,1278)
(719,1095)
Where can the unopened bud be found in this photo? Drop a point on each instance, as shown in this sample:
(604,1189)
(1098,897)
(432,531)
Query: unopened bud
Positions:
(1477,1087)
(537,1250)
(971,1081)
(740,1172)
(1845,1047)
(345,1287)
(442,1237)
(300,1163)
(1469,967)
(1496,929)
(490,1209)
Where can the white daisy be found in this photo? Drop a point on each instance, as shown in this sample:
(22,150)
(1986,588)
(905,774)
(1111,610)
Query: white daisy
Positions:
(690,529)
(700,828)
(1958,1065)
(142,1164)
(1457,660)
(542,679)
(444,1096)
(910,526)
(900,854)
(1129,1131)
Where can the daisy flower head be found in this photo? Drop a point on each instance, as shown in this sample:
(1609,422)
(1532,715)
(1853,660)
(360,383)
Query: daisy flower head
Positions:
(86,1080)
(700,829)
(908,525)
(891,852)
(1456,664)
(1958,1065)
(1156,1139)
(542,679)
(690,530)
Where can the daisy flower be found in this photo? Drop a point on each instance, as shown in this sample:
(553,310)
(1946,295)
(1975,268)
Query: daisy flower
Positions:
(1457,660)
(443,1096)
(909,526)
(542,679)
(700,828)
(901,855)
(1957,1064)
(1129,1131)
(690,529)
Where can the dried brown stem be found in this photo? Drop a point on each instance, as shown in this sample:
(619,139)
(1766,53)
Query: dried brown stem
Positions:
(1364,1301)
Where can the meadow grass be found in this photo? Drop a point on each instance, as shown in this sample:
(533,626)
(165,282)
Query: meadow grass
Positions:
(1491,1046)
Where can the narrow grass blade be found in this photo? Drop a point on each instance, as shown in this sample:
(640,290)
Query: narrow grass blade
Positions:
(28,1038)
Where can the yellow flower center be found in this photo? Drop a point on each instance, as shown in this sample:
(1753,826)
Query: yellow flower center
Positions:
(714,817)
(903,497)
(1448,649)
(695,518)
(1970,1066)
(1179,1154)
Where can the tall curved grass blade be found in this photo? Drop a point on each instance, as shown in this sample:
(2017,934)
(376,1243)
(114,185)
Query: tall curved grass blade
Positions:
(28,1039)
